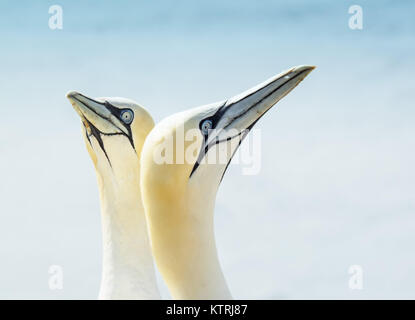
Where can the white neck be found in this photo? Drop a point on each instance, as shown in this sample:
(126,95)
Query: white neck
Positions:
(204,278)
(209,281)
(182,233)
(128,269)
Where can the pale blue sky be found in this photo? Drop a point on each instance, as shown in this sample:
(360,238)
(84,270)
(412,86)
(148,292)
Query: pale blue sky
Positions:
(337,181)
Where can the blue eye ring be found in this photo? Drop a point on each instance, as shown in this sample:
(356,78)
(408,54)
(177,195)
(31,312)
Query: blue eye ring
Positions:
(127,116)
(206,126)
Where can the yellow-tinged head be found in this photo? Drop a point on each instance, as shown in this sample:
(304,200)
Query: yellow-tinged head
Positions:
(183,161)
(114,131)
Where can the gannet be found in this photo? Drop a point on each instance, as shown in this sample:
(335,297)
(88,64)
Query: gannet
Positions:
(114,130)
(179,198)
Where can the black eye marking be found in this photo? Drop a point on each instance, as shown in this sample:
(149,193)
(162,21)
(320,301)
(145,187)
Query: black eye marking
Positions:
(205,126)
(98,134)
(117,112)
(212,121)
(127,116)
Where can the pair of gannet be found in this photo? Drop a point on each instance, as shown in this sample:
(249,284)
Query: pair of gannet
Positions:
(169,203)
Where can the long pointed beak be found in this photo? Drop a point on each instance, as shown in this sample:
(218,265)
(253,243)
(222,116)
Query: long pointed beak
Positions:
(97,113)
(244,110)
(240,113)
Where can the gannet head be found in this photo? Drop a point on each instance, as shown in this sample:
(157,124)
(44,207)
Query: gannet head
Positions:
(180,178)
(114,131)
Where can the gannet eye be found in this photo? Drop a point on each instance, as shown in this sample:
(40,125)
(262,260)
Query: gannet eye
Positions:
(127,116)
(206,126)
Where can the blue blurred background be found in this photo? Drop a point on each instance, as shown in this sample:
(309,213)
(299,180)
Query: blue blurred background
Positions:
(336,187)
